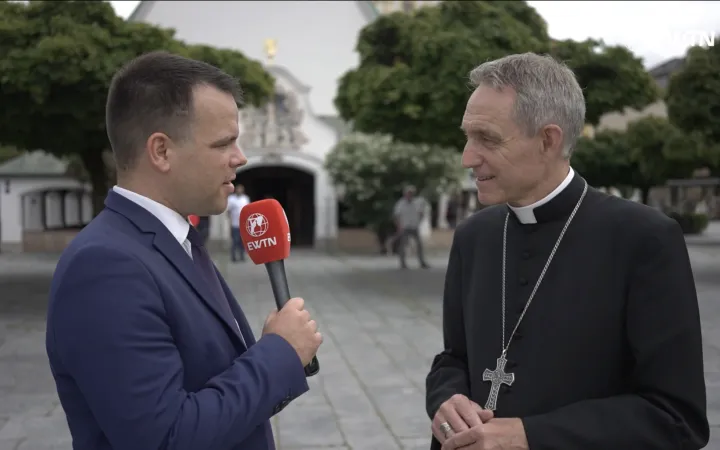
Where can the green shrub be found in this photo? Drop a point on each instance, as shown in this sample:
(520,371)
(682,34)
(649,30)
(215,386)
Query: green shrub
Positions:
(373,169)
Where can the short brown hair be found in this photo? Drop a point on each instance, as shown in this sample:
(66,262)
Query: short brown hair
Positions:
(154,93)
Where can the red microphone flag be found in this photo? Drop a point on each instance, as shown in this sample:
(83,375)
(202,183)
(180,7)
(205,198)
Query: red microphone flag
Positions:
(265,231)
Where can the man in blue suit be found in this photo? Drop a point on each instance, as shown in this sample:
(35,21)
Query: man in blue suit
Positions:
(148,347)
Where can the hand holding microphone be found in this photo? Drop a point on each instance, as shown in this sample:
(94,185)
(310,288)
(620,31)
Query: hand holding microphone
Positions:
(265,233)
(293,324)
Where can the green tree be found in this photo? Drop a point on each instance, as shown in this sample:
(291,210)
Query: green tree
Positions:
(373,169)
(604,160)
(257,84)
(412,79)
(612,77)
(660,151)
(8,152)
(56,62)
(647,154)
(693,98)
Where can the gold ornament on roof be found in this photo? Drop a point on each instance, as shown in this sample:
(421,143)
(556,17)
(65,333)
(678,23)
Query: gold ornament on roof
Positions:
(270,49)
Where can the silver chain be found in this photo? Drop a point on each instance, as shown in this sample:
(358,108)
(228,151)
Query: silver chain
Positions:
(542,274)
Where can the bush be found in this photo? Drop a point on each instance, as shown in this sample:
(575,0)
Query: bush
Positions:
(373,169)
(691,223)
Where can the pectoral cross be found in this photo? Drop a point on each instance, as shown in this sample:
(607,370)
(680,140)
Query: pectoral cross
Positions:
(497,377)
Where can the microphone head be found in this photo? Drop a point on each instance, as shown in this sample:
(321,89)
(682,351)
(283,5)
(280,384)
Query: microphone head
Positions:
(194,220)
(265,231)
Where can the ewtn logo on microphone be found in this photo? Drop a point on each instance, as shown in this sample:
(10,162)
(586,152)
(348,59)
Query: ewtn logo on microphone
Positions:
(693,38)
(256,226)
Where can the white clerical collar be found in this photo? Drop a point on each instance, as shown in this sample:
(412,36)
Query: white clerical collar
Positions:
(526,214)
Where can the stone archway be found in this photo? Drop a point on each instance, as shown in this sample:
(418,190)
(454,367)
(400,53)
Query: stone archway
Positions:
(295,190)
(320,202)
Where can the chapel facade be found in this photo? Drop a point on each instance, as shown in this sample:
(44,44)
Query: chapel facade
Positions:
(307,47)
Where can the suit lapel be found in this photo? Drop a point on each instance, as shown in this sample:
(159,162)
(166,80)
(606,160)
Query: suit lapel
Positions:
(238,313)
(171,249)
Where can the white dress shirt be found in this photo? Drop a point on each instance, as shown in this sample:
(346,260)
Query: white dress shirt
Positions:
(174,222)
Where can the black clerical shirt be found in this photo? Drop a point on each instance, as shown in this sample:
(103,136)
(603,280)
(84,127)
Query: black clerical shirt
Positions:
(609,354)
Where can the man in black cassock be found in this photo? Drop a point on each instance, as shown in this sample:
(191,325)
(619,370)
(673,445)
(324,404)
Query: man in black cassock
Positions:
(570,316)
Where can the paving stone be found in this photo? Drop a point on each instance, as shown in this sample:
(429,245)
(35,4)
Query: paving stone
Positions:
(12,444)
(416,444)
(382,327)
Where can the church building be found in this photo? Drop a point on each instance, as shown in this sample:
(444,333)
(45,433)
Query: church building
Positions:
(307,46)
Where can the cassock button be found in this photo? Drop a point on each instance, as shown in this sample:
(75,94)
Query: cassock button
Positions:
(526,255)
(523,282)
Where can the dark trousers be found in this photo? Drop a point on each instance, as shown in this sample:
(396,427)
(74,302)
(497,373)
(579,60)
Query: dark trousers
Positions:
(237,245)
(405,235)
(384,233)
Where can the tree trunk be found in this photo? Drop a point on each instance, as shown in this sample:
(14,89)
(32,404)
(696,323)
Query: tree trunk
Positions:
(645,192)
(98,174)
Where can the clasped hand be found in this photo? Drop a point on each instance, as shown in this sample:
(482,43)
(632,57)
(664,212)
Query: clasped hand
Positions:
(475,428)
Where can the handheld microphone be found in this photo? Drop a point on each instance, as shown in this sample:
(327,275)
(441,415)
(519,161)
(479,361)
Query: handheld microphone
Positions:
(265,232)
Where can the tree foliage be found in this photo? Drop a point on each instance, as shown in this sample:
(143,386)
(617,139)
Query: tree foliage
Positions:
(412,79)
(604,159)
(373,169)
(647,154)
(693,97)
(660,151)
(8,152)
(612,77)
(56,63)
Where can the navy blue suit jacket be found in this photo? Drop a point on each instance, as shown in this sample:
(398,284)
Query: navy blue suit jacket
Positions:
(143,357)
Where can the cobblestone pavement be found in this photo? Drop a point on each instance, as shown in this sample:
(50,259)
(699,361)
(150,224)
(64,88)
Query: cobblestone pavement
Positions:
(381,328)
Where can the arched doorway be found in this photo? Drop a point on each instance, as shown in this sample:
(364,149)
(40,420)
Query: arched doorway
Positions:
(293,188)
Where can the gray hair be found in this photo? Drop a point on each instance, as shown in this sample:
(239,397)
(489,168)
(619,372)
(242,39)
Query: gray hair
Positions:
(547,93)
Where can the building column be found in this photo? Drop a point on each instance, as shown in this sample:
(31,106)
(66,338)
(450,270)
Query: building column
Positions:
(43,210)
(425,228)
(442,210)
(471,205)
(63,208)
(81,215)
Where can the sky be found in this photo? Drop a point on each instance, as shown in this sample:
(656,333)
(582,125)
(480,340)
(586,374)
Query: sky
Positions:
(655,31)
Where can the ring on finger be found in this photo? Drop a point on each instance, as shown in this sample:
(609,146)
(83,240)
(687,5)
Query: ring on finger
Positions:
(446,429)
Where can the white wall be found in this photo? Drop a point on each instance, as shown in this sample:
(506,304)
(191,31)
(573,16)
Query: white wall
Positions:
(15,192)
(315,39)
(321,137)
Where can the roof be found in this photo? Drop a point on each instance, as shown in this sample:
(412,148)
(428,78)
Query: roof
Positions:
(366,7)
(283,72)
(34,164)
(667,68)
(338,125)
